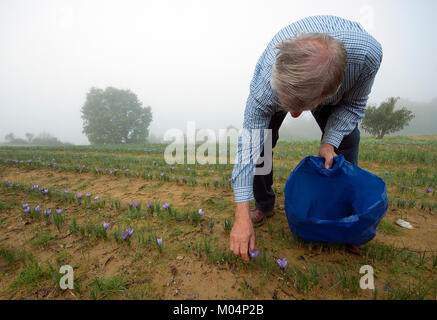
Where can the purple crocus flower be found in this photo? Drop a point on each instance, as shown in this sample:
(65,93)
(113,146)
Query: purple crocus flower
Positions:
(188,169)
(41,189)
(79,195)
(149,205)
(230,180)
(215,180)
(67,191)
(124,235)
(97,170)
(282,263)
(430,190)
(387,172)
(45,191)
(133,204)
(96,198)
(48,212)
(402,187)
(10,185)
(29,161)
(26,209)
(115,170)
(162,174)
(37,208)
(88,194)
(127,170)
(148,175)
(130,231)
(166,205)
(25,205)
(59,211)
(171,168)
(110,172)
(106,225)
(253,253)
(201,212)
(159,241)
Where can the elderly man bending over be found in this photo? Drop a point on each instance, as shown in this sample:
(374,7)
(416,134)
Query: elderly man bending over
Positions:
(325,64)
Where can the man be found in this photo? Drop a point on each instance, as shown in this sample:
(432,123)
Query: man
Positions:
(325,64)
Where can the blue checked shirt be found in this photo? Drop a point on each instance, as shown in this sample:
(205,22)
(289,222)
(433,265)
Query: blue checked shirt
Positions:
(349,103)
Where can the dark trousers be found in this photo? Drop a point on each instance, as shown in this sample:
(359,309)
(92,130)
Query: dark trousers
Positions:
(262,184)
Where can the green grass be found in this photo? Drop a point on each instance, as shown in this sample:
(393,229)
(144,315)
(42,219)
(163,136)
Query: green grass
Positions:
(107,287)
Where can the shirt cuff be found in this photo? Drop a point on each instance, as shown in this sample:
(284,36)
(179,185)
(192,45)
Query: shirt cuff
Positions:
(243,194)
(333,138)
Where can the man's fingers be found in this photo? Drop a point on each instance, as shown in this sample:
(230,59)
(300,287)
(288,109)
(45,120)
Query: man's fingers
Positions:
(328,163)
(244,250)
(252,242)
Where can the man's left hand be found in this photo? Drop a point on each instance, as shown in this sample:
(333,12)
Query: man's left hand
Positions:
(327,151)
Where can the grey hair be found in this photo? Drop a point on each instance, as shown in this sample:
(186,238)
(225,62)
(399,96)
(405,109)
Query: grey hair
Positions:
(308,68)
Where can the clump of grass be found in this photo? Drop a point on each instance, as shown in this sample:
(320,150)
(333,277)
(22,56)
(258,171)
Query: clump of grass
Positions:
(389,228)
(43,239)
(227,226)
(32,275)
(105,288)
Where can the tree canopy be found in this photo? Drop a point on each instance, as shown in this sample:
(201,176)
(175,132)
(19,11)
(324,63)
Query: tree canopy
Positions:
(384,120)
(114,116)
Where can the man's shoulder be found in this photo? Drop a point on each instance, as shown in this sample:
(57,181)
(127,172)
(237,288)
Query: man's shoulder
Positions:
(362,48)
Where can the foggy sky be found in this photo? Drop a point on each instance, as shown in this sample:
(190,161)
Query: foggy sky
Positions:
(188,60)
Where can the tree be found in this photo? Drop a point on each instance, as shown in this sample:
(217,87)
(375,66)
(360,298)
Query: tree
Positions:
(29,137)
(115,116)
(384,120)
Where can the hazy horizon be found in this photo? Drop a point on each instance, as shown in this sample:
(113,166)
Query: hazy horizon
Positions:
(190,60)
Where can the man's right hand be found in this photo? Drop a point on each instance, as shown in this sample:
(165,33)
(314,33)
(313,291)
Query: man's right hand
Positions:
(242,234)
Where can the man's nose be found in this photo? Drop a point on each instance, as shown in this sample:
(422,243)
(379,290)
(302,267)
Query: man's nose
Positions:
(295,114)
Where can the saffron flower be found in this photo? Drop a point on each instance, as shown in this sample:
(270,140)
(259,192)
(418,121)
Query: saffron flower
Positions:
(79,195)
(201,212)
(88,194)
(130,232)
(282,263)
(48,212)
(166,205)
(96,198)
(124,235)
(26,209)
(59,211)
(149,205)
(133,204)
(159,241)
(45,191)
(430,190)
(253,253)
(25,205)
(67,191)
(106,225)
(37,208)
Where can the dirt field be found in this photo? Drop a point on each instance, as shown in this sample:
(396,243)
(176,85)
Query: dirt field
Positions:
(193,261)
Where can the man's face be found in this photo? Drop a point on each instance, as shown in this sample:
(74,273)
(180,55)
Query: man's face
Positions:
(296,114)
